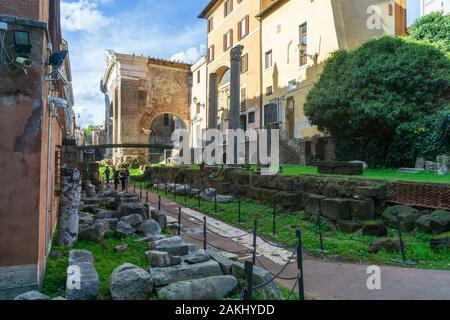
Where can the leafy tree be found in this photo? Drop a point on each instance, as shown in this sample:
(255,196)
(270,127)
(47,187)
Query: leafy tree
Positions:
(364,96)
(434,28)
(87,132)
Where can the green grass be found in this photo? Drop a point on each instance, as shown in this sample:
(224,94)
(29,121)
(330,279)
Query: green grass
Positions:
(376,174)
(105,261)
(340,246)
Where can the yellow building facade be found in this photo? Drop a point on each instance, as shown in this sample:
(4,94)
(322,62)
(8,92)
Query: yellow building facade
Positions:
(285,44)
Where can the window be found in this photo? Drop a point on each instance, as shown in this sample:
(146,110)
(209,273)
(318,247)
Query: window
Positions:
(243,99)
(269,91)
(243,28)
(210,24)
(227,7)
(268,59)
(244,63)
(292,85)
(251,117)
(166,120)
(228,40)
(198,76)
(211,54)
(270,113)
(303,44)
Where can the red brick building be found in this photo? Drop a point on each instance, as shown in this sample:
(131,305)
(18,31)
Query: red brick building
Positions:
(35,115)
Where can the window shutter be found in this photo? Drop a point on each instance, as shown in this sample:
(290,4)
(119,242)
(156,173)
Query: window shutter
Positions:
(213,53)
(231,38)
(247,24)
(224,42)
(240,30)
(231,5)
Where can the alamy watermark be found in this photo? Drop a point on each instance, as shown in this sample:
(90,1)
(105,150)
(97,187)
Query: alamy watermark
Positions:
(231,147)
(374,280)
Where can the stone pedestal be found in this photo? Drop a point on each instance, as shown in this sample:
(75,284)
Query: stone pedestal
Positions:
(68,209)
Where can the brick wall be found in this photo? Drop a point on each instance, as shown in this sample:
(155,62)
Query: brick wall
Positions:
(29,9)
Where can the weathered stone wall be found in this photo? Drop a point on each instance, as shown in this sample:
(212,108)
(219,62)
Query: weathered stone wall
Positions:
(291,192)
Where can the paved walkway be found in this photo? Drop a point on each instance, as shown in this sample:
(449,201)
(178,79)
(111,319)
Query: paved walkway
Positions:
(323,279)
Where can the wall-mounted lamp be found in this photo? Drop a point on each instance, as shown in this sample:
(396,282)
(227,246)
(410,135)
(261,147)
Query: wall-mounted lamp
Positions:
(22,42)
(302,47)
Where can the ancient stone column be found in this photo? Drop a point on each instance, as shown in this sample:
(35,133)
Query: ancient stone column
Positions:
(68,208)
(212,101)
(235,88)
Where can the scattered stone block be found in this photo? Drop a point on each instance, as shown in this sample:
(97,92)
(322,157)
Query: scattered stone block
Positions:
(362,210)
(124,230)
(434,223)
(94,232)
(210,288)
(374,228)
(197,257)
(149,228)
(165,276)
(312,203)
(32,296)
(160,218)
(408,217)
(82,278)
(135,220)
(384,244)
(121,248)
(336,209)
(129,282)
(160,259)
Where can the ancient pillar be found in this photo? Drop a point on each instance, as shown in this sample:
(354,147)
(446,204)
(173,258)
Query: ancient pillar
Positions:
(213,101)
(235,88)
(68,208)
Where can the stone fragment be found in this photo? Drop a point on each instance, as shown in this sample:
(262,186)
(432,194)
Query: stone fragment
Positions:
(135,220)
(82,278)
(211,288)
(32,296)
(196,257)
(149,228)
(129,282)
(124,230)
(165,276)
(335,209)
(94,232)
(160,259)
(159,217)
(384,244)
(374,228)
(408,216)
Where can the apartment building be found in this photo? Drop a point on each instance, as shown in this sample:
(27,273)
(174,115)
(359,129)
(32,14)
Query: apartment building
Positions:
(299,35)
(232,23)
(35,116)
(429,6)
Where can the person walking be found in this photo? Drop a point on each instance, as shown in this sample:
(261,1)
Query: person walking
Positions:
(107,175)
(123,180)
(116,180)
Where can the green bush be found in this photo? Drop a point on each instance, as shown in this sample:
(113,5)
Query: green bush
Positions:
(364,96)
(434,28)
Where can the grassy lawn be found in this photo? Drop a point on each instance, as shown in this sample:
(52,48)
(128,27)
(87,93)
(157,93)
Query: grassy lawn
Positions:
(105,261)
(340,246)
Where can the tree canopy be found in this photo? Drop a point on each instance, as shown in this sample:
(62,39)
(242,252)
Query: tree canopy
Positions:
(370,98)
(434,28)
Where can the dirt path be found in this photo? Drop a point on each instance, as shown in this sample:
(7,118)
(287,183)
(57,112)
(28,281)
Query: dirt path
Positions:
(323,279)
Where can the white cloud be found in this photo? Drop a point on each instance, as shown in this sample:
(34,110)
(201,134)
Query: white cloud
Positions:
(191,55)
(83,15)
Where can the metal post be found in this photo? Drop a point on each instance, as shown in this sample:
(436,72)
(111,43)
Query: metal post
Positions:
(239,209)
(146,196)
(198,198)
(255,227)
(215,202)
(249,279)
(140,191)
(301,288)
(159,203)
(402,246)
(274,220)
(204,233)
(134,188)
(319,221)
(165,189)
(157,187)
(185,193)
(174,192)
(179,221)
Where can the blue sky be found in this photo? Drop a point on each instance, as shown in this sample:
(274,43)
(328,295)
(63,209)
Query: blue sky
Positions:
(160,28)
